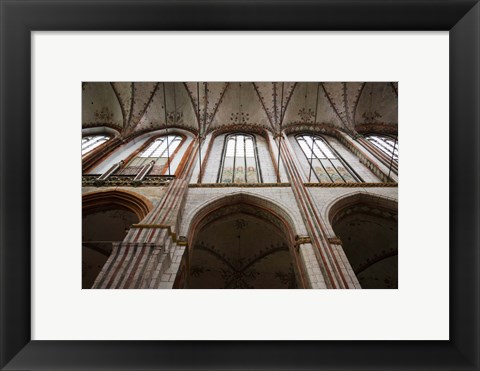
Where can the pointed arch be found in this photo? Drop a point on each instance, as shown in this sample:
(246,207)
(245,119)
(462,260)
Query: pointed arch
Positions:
(259,207)
(131,201)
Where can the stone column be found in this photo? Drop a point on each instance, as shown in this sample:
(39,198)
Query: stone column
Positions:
(330,270)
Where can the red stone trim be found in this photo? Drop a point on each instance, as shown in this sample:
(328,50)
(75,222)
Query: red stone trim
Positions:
(205,159)
(186,155)
(304,203)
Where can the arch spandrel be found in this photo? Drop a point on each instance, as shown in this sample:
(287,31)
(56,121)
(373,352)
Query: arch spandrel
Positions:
(292,217)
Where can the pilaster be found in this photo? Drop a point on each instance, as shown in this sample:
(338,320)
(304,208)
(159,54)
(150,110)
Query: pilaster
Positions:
(329,271)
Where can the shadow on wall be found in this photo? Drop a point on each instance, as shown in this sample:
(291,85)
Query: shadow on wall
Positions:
(368,229)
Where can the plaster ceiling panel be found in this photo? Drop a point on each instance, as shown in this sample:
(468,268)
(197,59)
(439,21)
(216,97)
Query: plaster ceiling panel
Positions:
(179,109)
(210,95)
(378,104)
(352,92)
(100,106)
(142,94)
(274,97)
(240,105)
(124,91)
(395,87)
(336,93)
(301,108)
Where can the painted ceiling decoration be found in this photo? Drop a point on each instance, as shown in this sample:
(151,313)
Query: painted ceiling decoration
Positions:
(202,107)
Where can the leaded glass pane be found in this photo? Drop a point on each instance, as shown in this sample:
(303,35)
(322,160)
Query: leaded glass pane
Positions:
(251,170)
(240,162)
(240,173)
(320,172)
(227,174)
(387,145)
(91,142)
(158,151)
(230,148)
(325,165)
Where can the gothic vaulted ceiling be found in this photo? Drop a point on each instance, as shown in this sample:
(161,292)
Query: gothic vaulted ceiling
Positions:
(205,106)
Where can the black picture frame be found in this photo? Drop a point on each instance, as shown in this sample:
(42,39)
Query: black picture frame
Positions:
(19,17)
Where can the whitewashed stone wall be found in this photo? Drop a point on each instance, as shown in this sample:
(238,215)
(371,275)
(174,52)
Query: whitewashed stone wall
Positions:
(198,198)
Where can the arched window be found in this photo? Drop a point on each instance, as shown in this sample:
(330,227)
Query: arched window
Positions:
(386,144)
(325,165)
(158,152)
(91,142)
(240,160)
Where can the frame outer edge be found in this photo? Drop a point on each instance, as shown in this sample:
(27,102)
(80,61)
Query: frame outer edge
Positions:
(15,230)
(465,185)
(15,197)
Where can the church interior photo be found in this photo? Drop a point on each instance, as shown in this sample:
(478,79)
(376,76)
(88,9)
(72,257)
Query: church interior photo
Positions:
(240,185)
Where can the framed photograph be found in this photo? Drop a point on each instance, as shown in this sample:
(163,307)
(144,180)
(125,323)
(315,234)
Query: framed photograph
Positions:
(239,145)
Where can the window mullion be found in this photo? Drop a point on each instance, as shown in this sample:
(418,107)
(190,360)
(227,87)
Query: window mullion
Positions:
(223,160)
(311,161)
(149,157)
(245,158)
(381,145)
(257,162)
(91,142)
(331,162)
(319,160)
(88,143)
(167,147)
(234,159)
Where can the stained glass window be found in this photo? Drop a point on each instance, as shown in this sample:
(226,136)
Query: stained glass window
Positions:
(386,144)
(92,141)
(325,166)
(240,160)
(159,151)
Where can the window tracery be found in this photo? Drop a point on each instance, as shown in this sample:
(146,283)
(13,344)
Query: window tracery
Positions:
(156,154)
(90,142)
(386,144)
(324,163)
(240,160)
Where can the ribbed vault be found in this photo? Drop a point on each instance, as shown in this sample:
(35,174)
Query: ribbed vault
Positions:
(201,107)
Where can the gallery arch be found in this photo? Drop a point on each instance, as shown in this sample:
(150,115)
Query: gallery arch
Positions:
(236,243)
(106,219)
(368,229)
